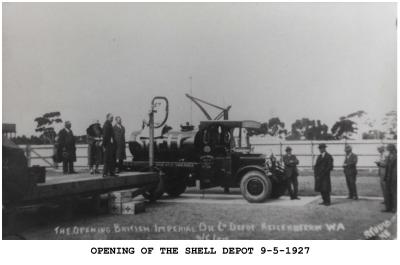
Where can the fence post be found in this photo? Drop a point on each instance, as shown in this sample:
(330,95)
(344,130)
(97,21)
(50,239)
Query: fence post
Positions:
(312,154)
(55,165)
(28,154)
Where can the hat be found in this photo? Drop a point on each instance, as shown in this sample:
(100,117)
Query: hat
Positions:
(347,147)
(320,146)
(95,121)
(391,147)
(381,148)
(288,149)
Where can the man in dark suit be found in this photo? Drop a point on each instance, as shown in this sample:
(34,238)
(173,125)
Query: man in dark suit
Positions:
(381,163)
(67,149)
(322,174)
(391,179)
(109,146)
(119,132)
(350,171)
(290,161)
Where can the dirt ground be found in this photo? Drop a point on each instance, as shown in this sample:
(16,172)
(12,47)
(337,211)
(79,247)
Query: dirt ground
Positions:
(211,215)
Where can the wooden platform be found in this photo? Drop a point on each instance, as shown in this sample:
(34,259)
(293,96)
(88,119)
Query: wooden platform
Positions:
(86,184)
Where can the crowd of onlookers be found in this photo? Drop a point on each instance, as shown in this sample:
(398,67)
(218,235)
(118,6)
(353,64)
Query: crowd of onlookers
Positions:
(387,170)
(106,145)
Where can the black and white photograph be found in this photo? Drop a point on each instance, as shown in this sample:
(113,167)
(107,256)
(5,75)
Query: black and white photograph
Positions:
(199,121)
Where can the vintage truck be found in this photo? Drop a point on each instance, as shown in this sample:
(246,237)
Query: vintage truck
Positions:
(218,153)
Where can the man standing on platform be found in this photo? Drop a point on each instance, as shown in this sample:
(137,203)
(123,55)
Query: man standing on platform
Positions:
(290,161)
(67,148)
(350,171)
(109,146)
(119,132)
(322,174)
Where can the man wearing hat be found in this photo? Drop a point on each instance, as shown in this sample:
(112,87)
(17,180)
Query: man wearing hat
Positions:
(95,151)
(290,161)
(350,171)
(67,149)
(109,145)
(381,163)
(322,173)
(391,180)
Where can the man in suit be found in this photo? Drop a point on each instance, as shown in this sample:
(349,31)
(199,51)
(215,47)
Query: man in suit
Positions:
(391,179)
(109,146)
(67,148)
(350,171)
(119,132)
(290,161)
(95,150)
(322,174)
(381,163)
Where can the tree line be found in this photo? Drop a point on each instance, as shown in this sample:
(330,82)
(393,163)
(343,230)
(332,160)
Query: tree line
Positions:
(356,124)
(352,126)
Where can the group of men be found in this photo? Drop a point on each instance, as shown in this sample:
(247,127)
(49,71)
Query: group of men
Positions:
(324,165)
(105,145)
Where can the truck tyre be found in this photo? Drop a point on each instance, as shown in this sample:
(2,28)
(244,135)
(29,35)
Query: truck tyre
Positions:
(255,186)
(177,189)
(278,190)
(155,193)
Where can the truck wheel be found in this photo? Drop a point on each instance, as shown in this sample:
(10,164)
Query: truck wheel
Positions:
(155,193)
(255,186)
(177,189)
(278,190)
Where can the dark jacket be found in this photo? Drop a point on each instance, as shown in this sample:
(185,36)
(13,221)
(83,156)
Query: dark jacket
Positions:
(95,150)
(322,173)
(391,169)
(290,163)
(119,133)
(66,145)
(94,131)
(350,165)
(108,135)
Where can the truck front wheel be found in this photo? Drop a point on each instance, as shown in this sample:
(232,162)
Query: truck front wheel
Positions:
(255,186)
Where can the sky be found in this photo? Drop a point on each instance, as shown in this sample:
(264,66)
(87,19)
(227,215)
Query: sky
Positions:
(290,60)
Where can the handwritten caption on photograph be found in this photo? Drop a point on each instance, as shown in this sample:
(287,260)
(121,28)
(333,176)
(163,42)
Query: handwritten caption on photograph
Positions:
(202,231)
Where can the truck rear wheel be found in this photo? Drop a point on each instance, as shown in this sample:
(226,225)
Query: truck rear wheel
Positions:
(177,189)
(278,190)
(255,186)
(156,193)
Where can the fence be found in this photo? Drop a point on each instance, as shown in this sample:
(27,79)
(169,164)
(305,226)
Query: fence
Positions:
(306,151)
(42,155)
